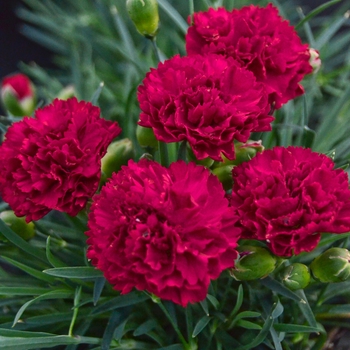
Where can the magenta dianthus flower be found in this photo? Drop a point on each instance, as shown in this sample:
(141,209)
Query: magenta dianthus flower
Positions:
(53,161)
(259,40)
(166,231)
(288,196)
(209,101)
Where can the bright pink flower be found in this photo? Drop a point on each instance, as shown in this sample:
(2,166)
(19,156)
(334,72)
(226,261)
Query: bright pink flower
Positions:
(209,101)
(53,161)
(260,40)
(288,196)
(19,84)
(166,231)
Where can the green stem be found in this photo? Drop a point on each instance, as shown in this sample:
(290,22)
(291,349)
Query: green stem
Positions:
(76,309)
(191,4)
(163,153)
(176,328)
(182,154)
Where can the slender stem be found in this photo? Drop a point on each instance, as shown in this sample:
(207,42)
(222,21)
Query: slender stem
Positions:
(75,312)
(182,151)
(176,328)
(191,4)
(163,153)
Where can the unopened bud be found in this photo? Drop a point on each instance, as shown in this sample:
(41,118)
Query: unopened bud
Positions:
(332,266)
(18,95)
(67,92)
(253,263)
(295,276)
(315,60)
(144,14)
(224,174)
(145,137)
(118,154)
(17,224)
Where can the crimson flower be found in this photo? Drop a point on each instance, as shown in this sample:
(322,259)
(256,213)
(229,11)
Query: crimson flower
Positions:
(53,161)
(166,231)
(209,101)
(288,196)
(258,39)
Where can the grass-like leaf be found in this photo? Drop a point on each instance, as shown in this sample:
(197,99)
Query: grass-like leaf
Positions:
(79,272)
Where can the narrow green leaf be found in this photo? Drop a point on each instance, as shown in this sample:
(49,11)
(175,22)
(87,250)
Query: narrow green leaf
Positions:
(248,325)
(31,271)
(201,324)
(98,287)
(315,12)
(262,334)
(174,15)
(22,334)
(308,137)
(145,327)
(55,294)
(97,93)
(204,305)
(80,272)
(43,342)
(21,243)
(113,322)
(295,328)
(306,309)
(280,289)
(278,310)
(247,314)
(119,331)
(22,291)
(120,301)
(214,301)
(239,301)
(55,262)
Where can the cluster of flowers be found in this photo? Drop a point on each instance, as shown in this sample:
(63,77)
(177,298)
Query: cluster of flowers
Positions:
(170,231)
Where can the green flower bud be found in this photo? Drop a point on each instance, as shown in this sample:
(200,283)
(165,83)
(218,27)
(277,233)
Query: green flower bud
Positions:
(145,137)
(17,224)
(332,266)
(118,154)
(67,92)
(246,151)
(224,174)
(253,263)
(144,14)
(295,276)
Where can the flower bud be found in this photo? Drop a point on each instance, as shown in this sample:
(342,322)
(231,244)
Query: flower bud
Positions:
(144,14)
(145,137)
(253,263)
(118,154)
(246,151)
(17,224)
(18,95)
(224,174)
(67,92)
(332,266)
(295,276)
(315,60)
